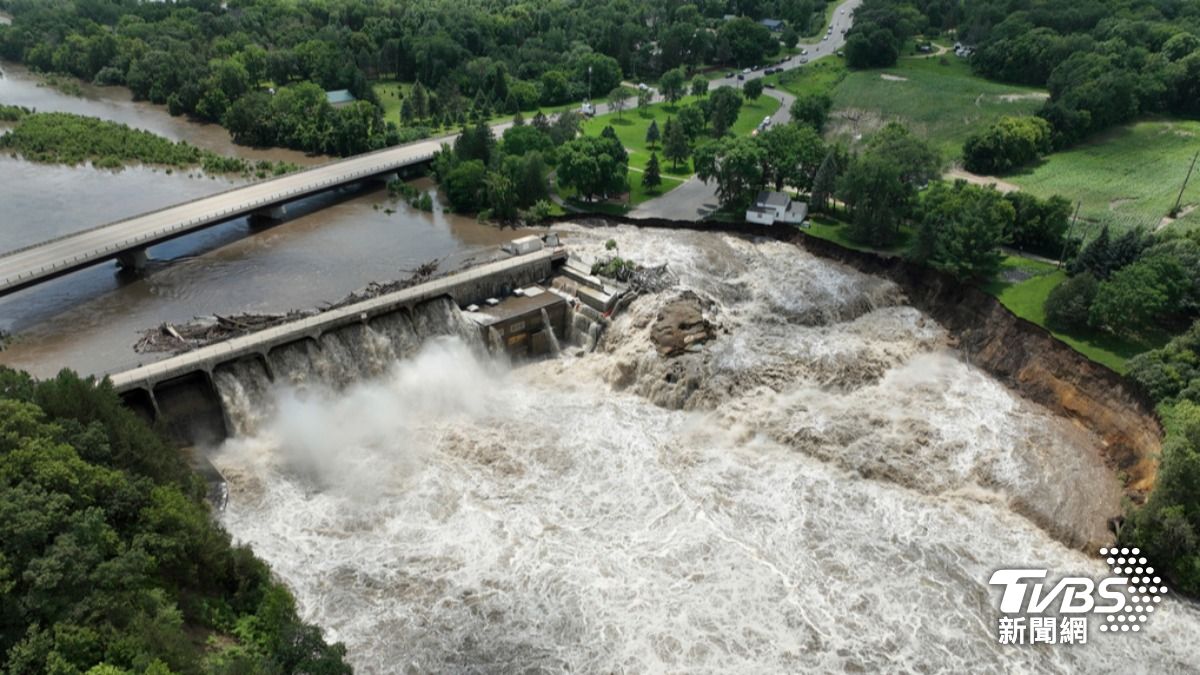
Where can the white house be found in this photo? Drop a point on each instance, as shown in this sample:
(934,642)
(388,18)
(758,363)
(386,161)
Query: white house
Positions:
(771,207)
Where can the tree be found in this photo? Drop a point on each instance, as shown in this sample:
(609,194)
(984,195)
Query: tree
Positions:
(675,144)
(1006,144)
(792,154)
(699,86)
(873,189)
(746,41)
(691,120)
(419,98)
(918,162)
(1040,224)
(812,109)
(501,196)
(590,165)
(671,83)
(752,89)
(1069,304)
(652,134)
(825,180)
(1139,296)
(643,98)
(651,178)
(723,107)
(616,148)
(465,186)
(736,164)
(962,229)
(618,98)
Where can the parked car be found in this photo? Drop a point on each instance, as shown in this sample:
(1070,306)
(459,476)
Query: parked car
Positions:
(803,52)
(803,61)
(769,85)
(741,76)
(825,39)
(587,109)
(745,71)
(642,86)
(731,73)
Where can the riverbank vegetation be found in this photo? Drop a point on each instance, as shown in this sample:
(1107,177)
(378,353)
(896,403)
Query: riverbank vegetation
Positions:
(450,64)
(65,138)
(110,561)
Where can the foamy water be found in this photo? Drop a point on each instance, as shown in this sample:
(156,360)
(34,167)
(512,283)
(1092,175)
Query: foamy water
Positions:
(827,487)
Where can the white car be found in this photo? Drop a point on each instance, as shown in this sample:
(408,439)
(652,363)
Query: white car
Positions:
(825,39)
(745,71)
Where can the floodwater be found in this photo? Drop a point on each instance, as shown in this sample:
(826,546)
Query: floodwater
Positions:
(825,487)
(330,245)
(18,86)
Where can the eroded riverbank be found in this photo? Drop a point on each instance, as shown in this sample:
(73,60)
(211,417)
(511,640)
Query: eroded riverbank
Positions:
(826,485)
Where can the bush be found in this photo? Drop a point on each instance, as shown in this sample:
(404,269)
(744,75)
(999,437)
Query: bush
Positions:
(1008,143)
(1069,304)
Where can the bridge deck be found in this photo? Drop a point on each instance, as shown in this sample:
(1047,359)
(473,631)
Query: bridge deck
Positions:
(33,264)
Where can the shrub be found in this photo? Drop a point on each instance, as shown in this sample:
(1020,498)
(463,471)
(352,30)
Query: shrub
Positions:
(1069,304)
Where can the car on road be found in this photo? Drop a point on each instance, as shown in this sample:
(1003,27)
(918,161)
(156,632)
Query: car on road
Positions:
(731,73)
(803,61)
(841,53)
(769,85)
(825,39)
(803,52)
(745,71)
(741,77)
(642,86)
(587,109)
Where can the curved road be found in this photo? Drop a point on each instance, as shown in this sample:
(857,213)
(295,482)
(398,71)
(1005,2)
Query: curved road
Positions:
(695,199)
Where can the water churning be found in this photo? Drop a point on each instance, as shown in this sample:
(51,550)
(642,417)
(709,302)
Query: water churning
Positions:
(823,486)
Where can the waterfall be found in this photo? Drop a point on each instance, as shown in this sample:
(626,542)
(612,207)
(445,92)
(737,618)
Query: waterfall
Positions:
(554,346)
(337,359)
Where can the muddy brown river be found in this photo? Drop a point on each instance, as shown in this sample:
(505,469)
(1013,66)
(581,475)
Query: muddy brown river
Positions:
(331,244)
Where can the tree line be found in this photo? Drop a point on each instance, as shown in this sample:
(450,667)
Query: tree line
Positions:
(252,65)
(1104,63)
(110,561)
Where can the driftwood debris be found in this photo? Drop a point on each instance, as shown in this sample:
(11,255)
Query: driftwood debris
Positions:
(202,331)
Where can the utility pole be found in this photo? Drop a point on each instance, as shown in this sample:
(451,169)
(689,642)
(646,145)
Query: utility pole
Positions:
(1179,199)
(589,84)
(1067,237)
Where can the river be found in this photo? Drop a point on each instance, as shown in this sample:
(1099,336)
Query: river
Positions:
(331,245)
(825,487)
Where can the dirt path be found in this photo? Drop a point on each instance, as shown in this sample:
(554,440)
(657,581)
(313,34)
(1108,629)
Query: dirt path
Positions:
(959,173)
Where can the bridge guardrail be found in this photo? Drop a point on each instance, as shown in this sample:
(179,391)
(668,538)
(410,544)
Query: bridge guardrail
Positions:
(203,220)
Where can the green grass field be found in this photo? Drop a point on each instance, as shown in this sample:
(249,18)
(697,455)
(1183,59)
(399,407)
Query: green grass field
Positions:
(937,98)
(820,77)
(1128,176)
(631,128)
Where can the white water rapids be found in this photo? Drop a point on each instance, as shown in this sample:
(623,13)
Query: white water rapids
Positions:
(824,487)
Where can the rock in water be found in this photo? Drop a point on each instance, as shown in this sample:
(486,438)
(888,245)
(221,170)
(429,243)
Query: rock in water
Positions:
(680,324)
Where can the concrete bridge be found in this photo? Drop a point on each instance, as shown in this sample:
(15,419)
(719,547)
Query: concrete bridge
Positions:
(127,240)
(181,390)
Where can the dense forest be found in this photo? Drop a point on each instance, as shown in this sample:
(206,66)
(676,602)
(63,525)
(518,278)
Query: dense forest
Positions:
(110,561)
(1104,62)
(260,67)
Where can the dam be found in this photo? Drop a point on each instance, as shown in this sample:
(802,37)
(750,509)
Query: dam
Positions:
(821,478)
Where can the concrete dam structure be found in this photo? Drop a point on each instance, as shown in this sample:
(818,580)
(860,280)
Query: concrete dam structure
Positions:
(510,306)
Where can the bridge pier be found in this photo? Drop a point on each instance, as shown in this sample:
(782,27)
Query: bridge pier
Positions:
(388,177)
(133,260)
(277,212)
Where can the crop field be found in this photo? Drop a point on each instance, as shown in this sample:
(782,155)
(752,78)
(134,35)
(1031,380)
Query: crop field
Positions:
(1127,177)
(937,97)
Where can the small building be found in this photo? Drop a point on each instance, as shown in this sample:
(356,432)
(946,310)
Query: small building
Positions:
(770,207)
(340,98)
(773,25)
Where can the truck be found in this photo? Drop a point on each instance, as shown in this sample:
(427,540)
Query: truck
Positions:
(523,245)
(588,109)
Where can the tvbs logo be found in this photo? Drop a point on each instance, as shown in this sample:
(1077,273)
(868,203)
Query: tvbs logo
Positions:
(1036,611)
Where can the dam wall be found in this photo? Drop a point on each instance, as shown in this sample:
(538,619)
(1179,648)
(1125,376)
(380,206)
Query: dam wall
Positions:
(1023,355)
(181,392)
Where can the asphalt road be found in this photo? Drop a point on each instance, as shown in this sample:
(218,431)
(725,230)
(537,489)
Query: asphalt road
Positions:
(27,266)
(695,199)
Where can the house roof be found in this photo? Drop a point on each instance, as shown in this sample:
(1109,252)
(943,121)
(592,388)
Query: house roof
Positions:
(771,23)
(339,96)
(772,199)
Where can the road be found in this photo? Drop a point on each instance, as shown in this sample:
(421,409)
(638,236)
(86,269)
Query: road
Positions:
(695,199)
(31,265)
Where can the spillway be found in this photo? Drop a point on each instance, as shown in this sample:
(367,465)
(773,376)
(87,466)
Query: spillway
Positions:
(826,485)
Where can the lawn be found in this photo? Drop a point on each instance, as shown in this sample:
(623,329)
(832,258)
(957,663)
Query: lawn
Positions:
(820,77)
(386,91)
(1024,293)
(938,98)
(1127,177)
(632,124)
